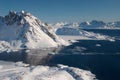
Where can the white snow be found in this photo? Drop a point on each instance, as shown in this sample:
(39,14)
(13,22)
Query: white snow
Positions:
(19,71)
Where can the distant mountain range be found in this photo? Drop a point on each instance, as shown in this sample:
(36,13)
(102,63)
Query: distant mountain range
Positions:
(94,24)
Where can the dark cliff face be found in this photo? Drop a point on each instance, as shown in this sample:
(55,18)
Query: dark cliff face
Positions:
(11,18)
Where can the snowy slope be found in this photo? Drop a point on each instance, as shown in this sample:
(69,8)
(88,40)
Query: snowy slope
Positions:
(82,34)
(20,71)
(23,30)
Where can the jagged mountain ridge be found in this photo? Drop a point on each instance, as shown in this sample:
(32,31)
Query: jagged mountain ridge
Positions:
(23,30)
(94,24)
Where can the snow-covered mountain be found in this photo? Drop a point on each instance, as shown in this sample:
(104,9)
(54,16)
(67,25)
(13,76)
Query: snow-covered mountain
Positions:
(65,24)
(94,24)
(81,33)
(100,25)
(23,30)
(113,25)
(59,24)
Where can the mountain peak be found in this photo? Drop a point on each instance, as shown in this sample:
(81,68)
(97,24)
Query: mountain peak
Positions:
(18,17)
(22,11)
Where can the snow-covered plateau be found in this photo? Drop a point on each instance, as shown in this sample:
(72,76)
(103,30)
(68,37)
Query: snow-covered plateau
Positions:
(21,71)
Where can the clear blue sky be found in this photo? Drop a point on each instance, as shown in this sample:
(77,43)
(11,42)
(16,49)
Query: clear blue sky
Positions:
(65,10)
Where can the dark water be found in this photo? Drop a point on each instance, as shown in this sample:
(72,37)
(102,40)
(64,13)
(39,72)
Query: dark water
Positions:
(105,67)
(93,47)
(103,61)
(32,57)
(101,57)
